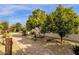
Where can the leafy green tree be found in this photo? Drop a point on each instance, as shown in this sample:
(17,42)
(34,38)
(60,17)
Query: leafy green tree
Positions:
(62,21)
(1,27)
(18,26)
(12,28)
(5,25)
(36,19)
(24,31)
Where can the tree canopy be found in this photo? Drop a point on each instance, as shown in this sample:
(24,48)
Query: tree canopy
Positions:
(1,27)
(4,24)
(36,19)
(18,26)
(62,21)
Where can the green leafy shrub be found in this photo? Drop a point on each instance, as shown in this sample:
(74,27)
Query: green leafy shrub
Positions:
(76,50)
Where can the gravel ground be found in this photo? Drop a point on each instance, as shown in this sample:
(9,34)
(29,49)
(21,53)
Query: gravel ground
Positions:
(41,47)
(29,47)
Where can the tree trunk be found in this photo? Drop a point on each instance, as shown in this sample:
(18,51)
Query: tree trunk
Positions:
(61,40)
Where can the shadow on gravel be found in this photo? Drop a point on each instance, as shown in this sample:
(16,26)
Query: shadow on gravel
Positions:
(45,46)
(33,48)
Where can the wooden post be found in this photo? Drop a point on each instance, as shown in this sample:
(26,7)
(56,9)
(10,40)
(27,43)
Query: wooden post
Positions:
(8,46)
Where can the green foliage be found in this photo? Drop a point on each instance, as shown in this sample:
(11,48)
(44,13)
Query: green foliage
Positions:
(5,25)
(76,50)
(24,31)
(12,28)
(18,26)
(36,19)
(62,21)
(1,27)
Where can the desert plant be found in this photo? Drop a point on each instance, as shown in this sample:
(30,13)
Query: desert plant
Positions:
(76,50)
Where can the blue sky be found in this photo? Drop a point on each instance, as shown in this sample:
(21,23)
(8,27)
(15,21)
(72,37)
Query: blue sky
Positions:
(13,13)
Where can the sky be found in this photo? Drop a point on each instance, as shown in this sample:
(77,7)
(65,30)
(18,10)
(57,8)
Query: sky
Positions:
(14,13)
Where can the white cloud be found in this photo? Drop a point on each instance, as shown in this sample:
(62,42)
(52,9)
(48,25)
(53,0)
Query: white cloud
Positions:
(15,7)
(10,9)
(6,13)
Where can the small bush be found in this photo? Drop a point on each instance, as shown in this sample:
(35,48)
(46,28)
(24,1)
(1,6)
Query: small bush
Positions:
(76,50)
